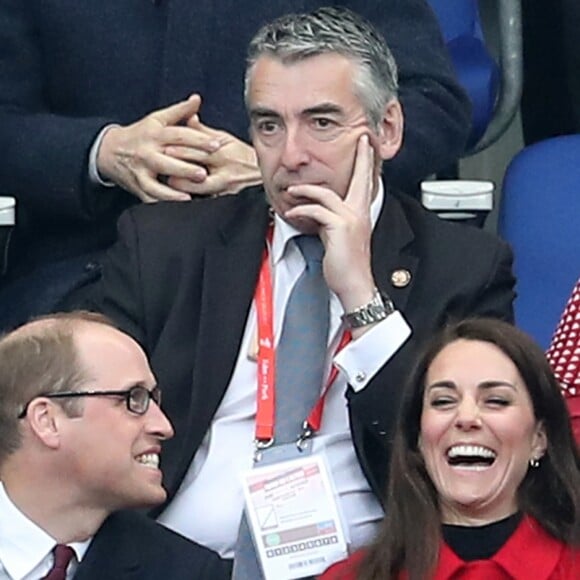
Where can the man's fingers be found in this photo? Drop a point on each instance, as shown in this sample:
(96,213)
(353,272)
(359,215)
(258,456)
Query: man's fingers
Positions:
(189,137)
(195,123)
(190,154)
(178,112)
(360,190)
(316,194)
(213,185)
(150,191)
(161,164)
(312,211)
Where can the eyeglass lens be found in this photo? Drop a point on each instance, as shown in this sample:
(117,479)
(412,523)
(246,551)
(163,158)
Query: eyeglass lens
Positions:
(138,398)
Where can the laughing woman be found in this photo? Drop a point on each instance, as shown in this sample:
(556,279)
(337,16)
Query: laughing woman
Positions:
(485,475)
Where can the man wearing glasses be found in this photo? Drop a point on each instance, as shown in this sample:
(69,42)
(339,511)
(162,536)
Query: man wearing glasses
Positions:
(80,436)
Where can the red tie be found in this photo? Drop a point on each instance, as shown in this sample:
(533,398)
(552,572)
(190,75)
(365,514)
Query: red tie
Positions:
(62,557)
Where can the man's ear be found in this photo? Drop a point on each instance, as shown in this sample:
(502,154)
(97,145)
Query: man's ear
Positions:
(44,419)
(390,130)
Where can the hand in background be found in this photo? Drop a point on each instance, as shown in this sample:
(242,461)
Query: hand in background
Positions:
(230,168)
(136,156)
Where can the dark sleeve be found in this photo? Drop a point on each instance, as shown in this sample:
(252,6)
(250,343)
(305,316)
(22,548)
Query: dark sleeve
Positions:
(44,151)
(495,298)
(118,293)
(436,110)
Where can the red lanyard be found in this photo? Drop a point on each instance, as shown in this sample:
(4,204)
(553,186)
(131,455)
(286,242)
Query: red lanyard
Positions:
(266,396)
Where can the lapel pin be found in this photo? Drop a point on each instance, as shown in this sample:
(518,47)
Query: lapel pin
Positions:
(400,278)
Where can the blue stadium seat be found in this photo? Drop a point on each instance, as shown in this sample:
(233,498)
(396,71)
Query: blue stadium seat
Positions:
(540,217)
(494,89)
(475,68)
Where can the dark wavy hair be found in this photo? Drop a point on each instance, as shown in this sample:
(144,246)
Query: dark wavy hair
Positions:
(410,534)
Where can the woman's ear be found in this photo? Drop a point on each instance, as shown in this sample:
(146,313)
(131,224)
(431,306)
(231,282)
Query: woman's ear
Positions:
(540,442)
(390,130)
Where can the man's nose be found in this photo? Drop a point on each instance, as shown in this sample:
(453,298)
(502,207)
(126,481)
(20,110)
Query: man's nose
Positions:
(295,149)
(468,415)
(158,422)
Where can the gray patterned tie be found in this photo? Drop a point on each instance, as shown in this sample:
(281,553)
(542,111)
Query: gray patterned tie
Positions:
(300,361)
(301,354)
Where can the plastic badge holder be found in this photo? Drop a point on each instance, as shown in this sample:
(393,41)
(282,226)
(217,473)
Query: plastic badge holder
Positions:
(7,220)
(468,201)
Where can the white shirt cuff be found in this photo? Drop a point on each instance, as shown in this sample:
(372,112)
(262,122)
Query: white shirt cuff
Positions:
(93,171)
(361,359)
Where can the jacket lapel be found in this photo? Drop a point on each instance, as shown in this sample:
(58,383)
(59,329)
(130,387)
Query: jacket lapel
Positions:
(393,261)
(230,274)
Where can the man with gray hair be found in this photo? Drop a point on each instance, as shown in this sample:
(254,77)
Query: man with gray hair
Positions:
(80,437)
(244,323)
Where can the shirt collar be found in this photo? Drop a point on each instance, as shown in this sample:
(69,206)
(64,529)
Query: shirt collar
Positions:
(23,544)
(283,231)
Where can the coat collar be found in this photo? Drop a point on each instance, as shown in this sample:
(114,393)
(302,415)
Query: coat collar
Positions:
(542,555)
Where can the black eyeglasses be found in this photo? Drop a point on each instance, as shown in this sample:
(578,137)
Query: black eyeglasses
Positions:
(137,398)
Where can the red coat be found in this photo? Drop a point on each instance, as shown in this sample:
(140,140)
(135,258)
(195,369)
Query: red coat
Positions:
(529,554)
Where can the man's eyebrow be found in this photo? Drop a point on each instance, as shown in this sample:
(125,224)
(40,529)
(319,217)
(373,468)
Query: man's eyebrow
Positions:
(320,109)
(258,112)
(324,108)
(137,383)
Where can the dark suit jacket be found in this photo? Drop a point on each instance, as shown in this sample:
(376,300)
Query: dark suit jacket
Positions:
(181,279)
(132,546)
(68,68)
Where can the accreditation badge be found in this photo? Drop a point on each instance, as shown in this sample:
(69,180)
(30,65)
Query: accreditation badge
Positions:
(293,514)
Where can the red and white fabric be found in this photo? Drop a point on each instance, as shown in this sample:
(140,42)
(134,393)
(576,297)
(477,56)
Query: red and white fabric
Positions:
(564,356)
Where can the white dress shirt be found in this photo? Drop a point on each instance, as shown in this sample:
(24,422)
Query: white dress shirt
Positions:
(209,503)
(25,548)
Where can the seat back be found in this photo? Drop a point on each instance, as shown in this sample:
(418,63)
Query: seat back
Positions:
(540,217)
(457,18)
(494,89)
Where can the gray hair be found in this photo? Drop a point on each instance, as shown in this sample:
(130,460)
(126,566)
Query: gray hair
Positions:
(295,37)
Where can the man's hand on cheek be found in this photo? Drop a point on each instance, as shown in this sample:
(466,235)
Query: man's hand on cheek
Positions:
(344,228)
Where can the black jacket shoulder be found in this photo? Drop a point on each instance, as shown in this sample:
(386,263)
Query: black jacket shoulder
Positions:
(131,545)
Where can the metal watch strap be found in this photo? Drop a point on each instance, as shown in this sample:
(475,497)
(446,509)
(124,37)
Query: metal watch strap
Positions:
(374,311)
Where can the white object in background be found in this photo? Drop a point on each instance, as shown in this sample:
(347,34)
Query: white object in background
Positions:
(7,221)
(7,211)
(457,199)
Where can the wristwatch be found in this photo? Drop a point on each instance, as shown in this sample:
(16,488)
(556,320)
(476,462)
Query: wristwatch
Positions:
(376,310)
